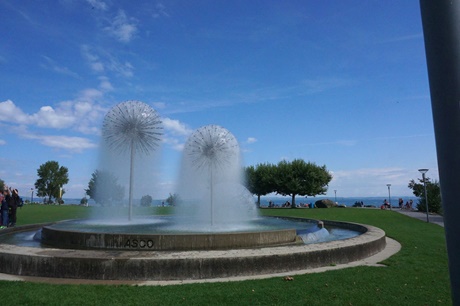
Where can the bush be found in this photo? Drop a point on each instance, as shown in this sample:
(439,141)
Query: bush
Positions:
(146,201)
(326,203)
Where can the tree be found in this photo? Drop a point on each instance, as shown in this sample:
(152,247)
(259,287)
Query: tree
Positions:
(104,189)
(2,184)
(51,179)
(172,199)
(301,178)
(433,192)
(146,201)
(260,179)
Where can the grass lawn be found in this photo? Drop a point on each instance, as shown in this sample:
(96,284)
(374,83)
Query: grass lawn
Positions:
(417,275)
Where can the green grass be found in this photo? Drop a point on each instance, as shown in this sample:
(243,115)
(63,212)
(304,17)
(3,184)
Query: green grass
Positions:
(417,275)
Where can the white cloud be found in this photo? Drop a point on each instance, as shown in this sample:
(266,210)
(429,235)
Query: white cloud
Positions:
(48,117)
(97,4)
(371,181)
(105,84)
(322,84)
(387,173)
(251,140)
(174,143)
(122,27)
(92,59)
(82,114)
(125,69)
(52,65)
(2,142)
(160,11)
(9,112)
(101,61)
(91,94)
(70,143)
(159,105)
(403,38)
(176,127)
(75,144)
(175,133)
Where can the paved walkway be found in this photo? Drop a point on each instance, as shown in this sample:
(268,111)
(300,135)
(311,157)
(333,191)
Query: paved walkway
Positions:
(433,218)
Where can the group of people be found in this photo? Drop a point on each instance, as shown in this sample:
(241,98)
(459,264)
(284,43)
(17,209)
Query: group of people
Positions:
(407,206)
(401,205)
(10,202)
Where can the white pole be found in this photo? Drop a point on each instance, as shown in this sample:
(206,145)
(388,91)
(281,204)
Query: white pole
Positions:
(131,170)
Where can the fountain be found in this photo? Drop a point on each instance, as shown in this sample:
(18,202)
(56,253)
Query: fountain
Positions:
(135,127)
(210,182)
(217,232)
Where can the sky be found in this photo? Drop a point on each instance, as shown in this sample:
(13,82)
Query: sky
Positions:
(337,83)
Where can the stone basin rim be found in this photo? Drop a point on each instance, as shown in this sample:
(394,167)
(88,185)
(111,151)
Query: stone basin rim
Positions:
(186,265)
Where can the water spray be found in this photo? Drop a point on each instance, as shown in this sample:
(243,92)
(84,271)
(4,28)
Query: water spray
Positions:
(211,148)
(133,126)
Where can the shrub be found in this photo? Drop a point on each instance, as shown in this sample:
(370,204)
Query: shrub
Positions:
(326,203)
(146,201)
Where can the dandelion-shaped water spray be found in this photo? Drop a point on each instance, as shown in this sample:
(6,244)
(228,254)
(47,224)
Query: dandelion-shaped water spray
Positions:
(133,126)
(211,148)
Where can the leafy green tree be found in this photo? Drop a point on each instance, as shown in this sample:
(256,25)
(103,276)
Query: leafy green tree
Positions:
(260,180)
(433,191)
(104,189)
(84,201)
(172,199)
(301,178)
(52,178)
(2,184)
(146,201)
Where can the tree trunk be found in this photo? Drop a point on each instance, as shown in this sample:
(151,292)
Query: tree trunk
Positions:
(293,201)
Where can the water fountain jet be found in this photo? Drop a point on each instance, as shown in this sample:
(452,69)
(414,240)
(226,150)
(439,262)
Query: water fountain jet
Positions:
(210,182)
(133,126)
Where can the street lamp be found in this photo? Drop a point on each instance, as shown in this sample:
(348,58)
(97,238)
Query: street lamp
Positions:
(389,195)
(335,194)
(31,195)
(423,171)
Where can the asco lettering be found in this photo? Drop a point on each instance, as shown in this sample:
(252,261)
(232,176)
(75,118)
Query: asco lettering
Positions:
(142,244)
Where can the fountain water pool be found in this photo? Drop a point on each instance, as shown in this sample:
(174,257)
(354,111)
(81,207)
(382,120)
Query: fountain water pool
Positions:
(171,234)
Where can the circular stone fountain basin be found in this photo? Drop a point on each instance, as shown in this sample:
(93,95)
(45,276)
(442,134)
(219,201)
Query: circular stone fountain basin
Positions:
(182,265)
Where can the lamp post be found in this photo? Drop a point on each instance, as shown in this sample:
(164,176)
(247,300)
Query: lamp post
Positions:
(389,195)
(335,195)
(423,171)
(31,195)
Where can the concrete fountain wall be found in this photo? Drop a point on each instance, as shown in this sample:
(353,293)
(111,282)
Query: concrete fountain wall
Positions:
(164,242)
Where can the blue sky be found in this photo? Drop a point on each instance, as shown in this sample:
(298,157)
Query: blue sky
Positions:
(339,83)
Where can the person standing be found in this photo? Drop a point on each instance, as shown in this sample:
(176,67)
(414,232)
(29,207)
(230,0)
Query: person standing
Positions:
(4,208)
(2,199)
(401,203)
(13,206)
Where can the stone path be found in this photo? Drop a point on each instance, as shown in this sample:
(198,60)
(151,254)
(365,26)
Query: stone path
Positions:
(433,218)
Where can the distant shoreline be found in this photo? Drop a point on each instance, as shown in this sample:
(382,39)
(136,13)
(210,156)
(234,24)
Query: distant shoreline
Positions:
(347,201)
